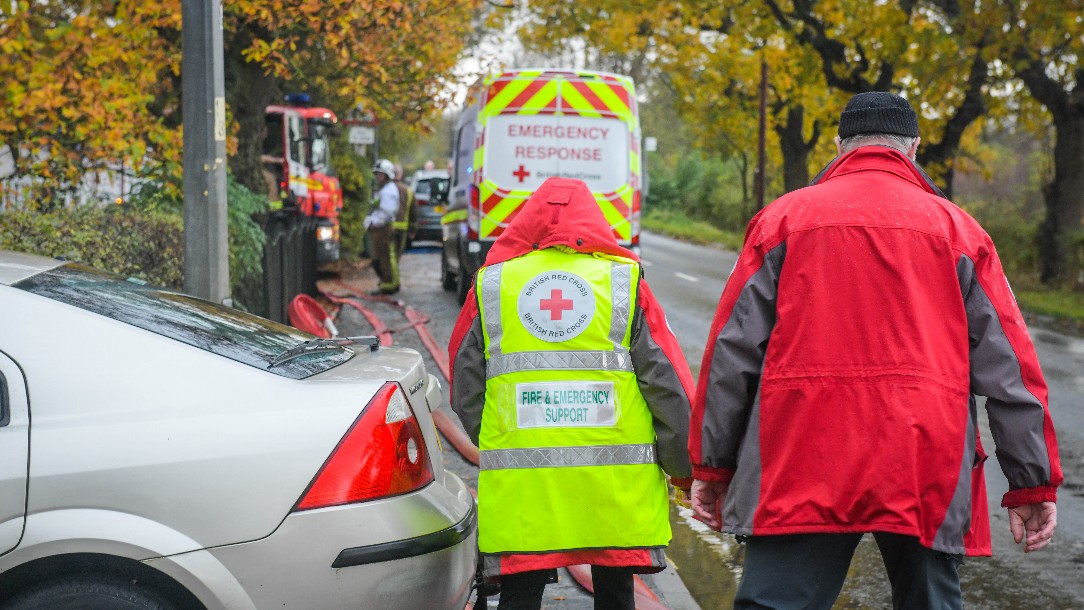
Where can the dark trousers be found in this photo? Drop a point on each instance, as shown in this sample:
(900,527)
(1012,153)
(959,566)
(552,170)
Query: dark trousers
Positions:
(613,589)
(806,571)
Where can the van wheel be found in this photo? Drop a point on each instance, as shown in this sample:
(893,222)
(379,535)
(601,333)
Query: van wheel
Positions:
(447,278)
(462,284)
(97,592)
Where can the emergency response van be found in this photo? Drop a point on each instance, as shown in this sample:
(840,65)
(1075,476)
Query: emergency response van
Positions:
(519,128)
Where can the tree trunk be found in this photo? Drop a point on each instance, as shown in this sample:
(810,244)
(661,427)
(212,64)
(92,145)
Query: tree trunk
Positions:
(795,148)
(1060,234)
(973,106)
(249,90)
(1064,196)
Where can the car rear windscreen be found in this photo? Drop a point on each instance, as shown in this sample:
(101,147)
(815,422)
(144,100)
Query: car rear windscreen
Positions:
(218,329)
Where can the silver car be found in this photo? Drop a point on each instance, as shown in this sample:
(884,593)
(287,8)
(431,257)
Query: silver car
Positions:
(160,451)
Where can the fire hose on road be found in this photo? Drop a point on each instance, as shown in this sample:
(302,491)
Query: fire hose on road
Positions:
(645,597)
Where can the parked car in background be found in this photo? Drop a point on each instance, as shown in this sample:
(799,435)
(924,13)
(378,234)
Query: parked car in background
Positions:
(431,197)
(161,451)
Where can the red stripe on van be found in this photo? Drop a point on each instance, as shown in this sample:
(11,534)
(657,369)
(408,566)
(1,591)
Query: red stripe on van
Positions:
(591,97)
(524,96)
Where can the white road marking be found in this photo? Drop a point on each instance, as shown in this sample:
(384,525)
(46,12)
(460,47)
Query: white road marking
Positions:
(685,277)
(645,263)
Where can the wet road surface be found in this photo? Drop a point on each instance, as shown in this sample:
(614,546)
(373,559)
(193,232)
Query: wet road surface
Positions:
(688,280)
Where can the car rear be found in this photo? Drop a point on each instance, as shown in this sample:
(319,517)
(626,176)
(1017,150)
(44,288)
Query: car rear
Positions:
(380,523)
(431,200)
(309,479)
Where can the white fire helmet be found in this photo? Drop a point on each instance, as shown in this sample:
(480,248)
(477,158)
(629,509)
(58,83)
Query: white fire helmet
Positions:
(385,167)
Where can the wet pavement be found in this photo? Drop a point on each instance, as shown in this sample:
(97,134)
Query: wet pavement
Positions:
(706,565)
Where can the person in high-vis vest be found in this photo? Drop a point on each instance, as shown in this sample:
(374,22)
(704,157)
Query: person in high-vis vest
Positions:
(567,376)
(406,220)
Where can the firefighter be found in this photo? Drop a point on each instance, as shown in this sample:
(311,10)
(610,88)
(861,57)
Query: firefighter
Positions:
(568,378)
(379,224)
(406,221)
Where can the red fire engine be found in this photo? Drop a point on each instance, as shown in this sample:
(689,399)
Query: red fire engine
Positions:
(297,167)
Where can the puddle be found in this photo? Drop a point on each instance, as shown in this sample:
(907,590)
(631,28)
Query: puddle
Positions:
(710,564)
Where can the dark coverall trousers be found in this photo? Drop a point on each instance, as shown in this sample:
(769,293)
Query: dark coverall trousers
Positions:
(806,571)
(385,262)
(613,589)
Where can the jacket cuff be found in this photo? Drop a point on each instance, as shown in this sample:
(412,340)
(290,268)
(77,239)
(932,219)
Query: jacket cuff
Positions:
(708,473)
(1029,495)
(681,482)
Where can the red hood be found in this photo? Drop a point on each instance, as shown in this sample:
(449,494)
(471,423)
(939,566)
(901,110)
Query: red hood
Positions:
(562,212)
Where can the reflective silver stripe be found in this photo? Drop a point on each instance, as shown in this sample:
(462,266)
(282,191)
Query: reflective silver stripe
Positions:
(557,457)
(619,360)
(620,289)
(491,302)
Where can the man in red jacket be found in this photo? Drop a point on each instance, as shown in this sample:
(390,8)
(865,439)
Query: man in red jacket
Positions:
(837,391)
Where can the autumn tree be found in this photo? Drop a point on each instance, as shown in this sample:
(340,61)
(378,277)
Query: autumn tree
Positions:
(95,84)
(78,78)
(392,57)
(929,52)
(1043,43)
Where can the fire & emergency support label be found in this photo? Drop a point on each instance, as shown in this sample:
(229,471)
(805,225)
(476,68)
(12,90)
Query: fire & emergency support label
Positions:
(556,306)
(565,404)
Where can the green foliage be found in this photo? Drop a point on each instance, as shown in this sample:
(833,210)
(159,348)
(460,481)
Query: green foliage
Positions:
(705,188)
(353,171)
(676,224)
(148,244)
(246,213)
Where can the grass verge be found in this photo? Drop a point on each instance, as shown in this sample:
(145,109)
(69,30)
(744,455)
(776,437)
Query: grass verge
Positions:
(1063,309)
(679,226)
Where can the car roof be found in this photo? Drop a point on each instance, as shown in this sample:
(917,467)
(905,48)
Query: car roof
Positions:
(423,174)
(16,266)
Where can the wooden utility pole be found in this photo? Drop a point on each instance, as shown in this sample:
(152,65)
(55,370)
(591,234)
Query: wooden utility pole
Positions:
(203,103)
(758,184)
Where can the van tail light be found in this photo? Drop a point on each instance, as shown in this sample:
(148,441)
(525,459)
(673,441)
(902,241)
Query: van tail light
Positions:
(474,213)
(382,455)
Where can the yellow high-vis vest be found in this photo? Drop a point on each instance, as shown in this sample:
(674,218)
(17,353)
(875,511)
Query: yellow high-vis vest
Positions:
(567,442)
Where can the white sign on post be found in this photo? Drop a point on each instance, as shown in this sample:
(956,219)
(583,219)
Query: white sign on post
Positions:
(361,135)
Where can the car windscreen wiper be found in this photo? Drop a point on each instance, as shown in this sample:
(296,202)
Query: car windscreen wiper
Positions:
(319,344)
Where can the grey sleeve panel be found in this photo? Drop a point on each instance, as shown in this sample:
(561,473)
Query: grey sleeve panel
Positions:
(468,392)
(736,363)
(1016,415)
(665,396)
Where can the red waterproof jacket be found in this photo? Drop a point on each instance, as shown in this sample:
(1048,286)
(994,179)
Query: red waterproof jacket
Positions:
(837,391)
(563,213)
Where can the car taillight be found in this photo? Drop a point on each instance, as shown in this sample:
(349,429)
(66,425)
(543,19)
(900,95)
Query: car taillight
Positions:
(382,455)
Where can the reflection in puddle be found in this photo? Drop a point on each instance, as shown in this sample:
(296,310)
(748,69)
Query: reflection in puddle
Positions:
(710,565)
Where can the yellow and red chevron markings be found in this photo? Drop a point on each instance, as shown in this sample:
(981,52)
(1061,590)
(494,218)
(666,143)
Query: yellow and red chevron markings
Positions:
(557,92)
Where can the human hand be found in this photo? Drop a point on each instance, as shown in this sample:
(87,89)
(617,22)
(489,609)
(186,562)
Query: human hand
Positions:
(1035,523)
(707,497)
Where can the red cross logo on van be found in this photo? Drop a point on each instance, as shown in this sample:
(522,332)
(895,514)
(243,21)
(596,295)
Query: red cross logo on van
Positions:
(521,173)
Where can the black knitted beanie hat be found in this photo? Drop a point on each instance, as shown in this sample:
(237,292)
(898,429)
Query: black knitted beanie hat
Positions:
(878,112)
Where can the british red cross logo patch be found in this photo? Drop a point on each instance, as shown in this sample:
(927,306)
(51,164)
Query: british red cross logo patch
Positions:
(556,306)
